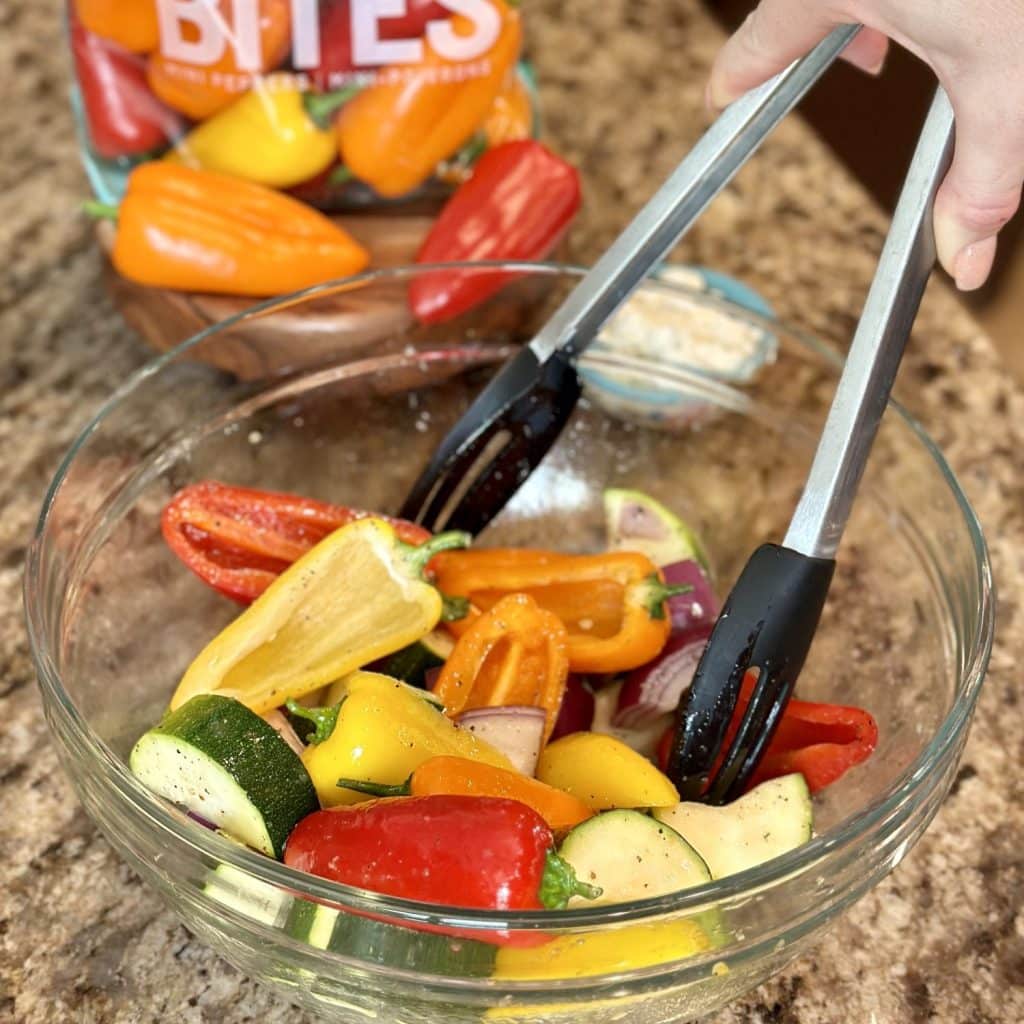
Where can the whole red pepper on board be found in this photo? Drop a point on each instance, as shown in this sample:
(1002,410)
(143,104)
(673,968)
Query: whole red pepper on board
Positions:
(820,741)
(123,116)
(460,851)
(337,61)
(517,205)
(238,540)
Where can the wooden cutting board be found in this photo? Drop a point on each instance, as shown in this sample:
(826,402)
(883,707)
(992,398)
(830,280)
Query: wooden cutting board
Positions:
(260,346)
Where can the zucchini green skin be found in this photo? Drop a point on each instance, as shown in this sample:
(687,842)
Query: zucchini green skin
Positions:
(219,759)
(365,938)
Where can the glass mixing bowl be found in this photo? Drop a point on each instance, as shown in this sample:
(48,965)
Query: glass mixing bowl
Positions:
(114,620)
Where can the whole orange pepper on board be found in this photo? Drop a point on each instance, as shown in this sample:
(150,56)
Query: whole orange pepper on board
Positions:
(129,23)
(394,133)
(206,232)
(198,91)
(513,654)
(613,605)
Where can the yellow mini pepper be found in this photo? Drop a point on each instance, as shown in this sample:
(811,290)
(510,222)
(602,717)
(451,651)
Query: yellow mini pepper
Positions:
(356,596)
(271,135)
(384,731)
(604,773)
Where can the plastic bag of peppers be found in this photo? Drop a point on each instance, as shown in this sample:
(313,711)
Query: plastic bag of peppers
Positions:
(218,134)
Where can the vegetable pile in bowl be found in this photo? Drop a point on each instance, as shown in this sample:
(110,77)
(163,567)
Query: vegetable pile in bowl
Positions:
(394,777)
(417,716)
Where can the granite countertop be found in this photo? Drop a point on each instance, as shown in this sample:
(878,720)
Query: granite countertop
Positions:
(942,940)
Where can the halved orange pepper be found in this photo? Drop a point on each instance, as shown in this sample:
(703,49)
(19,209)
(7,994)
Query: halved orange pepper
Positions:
(459,776)
(200,92)
(394,133)
(129,23)
(611,604)
(513,654)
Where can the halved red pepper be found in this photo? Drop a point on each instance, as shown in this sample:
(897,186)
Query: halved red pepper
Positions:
(238,540)
(821,741)
(460,851)
(517,205)
(123,115)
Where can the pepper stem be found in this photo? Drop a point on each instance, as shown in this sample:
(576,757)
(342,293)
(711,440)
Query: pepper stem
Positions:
(324,719)
(454,608)
(340,175)
(376,788)
(658,592)
(417,556)
(98,210)
(321,106)
(559,884)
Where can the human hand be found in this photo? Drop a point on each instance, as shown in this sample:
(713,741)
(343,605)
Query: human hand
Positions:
(973,46)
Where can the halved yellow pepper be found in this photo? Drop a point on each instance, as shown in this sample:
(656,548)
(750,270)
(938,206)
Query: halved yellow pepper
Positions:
(384,731)
(604,773)
(356,596)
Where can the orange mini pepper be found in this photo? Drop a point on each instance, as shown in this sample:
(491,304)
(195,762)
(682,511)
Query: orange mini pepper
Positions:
(513,654)
(129,23)
(611,604)
(459,776)
(200,92)
(201,231)
(394,133)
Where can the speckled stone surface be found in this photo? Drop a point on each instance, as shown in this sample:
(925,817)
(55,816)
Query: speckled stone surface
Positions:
(81,941)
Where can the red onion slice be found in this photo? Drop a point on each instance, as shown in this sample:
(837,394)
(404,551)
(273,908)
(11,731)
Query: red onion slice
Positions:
(516,730)
(698,605)
(577,711)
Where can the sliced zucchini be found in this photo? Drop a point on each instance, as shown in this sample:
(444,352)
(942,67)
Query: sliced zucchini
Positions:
(215,757)
(412,663)
(367,939)
(361,680)
(249,896)
(631,857)
(770,820)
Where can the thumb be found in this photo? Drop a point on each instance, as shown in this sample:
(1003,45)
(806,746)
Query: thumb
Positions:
(776,33)
(982,190)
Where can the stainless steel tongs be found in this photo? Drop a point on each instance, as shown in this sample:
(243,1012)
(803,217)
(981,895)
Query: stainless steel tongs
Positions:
(768,622)
(516,419)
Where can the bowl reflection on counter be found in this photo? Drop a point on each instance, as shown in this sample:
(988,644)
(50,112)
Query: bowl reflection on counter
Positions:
(114,621)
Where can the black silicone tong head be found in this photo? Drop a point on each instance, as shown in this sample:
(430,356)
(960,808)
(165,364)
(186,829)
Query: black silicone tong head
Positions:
(496,444)
(767,624)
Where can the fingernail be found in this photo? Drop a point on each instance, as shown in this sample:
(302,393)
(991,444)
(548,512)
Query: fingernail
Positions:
(951,238)
(877,68)
(973,263)
(716,96)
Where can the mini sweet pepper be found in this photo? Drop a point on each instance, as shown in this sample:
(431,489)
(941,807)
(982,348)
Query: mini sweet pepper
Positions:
(201,231)
(384,731)
(271,135)
(613,605)
(395,132)
(356,596)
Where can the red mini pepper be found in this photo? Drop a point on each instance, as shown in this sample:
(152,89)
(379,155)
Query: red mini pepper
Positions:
(820,741)
(238,540)
(516,206)
(336,59)
(123,115)
(460,851)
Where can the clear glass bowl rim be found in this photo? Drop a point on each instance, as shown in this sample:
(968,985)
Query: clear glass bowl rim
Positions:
(911,784)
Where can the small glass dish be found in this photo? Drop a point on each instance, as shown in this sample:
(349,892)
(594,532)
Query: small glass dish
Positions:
(114,620)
